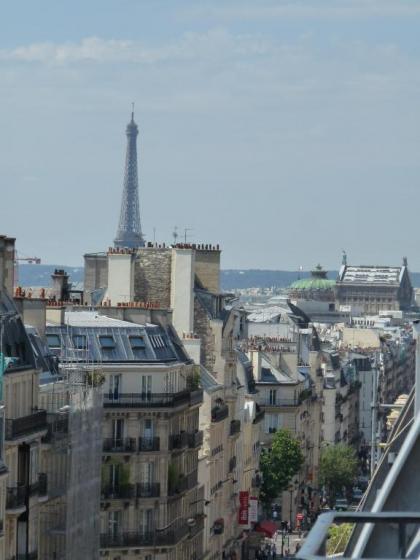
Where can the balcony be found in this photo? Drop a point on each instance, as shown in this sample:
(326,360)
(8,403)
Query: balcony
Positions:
(219,412)
(196,397)
(395,524)
(147,400)
(119,445)
(148,490)
(57,426)
(16,497)
(183,483)
(259,415)
(235,427)
(118,492)
(26,425)
(149,444)
(195,439)
(30,556)
(280,403)
(168,537)
(178,441)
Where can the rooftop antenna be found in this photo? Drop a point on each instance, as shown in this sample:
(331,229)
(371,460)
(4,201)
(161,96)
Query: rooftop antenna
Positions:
(175,234)
(132,111)
(186,230)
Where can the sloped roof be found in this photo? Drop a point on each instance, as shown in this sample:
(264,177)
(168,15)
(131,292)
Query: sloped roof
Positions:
(386,275)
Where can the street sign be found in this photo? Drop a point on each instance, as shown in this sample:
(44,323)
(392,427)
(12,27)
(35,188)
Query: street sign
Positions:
(253,509)
(243,508)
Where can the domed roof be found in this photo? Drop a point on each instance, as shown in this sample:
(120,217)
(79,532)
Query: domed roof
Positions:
(317,281)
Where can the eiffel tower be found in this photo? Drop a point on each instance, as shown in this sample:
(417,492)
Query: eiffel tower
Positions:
(129,229)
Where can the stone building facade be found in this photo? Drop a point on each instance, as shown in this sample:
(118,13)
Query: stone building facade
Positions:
(151,504)
(372,289)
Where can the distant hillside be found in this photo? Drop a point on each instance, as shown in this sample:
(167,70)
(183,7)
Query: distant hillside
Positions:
(231,279)
(40,275)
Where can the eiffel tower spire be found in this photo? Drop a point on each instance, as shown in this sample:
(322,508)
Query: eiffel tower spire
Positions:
(129,229)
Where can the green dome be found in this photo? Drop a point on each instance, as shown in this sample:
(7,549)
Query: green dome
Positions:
(312,284)
(317,281)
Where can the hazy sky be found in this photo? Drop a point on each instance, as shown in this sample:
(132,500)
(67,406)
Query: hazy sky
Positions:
(283,130)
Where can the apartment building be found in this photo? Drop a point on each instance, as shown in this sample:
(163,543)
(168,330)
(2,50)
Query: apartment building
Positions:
(151,506)
(22,484)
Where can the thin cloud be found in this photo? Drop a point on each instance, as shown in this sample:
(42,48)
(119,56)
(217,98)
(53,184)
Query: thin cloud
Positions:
(95,49)
(304,9)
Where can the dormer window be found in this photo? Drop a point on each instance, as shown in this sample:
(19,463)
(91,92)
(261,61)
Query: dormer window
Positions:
(54,340)
(137,342)
(79,341)
(107,342)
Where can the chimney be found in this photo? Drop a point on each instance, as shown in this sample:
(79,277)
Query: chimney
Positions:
(61,286)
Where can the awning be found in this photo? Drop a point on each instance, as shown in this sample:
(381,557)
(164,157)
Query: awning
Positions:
(267,527)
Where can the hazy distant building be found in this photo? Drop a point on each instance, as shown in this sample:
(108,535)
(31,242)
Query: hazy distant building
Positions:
(314,295)
(372,289)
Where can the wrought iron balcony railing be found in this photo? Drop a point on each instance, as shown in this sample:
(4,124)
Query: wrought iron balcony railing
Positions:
(149,444)
(235,427)
(196,397)
(26,425)
(118,492)
(16,497)
(146,400)
(148,490)
(219,413)
(178,441)
(149,537)
(183,483)
(119,445)
(195,439)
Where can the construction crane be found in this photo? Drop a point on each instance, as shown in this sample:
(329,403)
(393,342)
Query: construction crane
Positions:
(18,259)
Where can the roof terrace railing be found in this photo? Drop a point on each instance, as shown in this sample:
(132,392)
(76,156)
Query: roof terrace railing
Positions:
(314,547)
(146,400)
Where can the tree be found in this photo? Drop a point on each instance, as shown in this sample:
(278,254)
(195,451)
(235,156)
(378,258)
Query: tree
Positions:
(278,465)
(338,537)
(337,468)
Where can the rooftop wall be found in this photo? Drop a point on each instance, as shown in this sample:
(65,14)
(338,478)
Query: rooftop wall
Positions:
(7,258)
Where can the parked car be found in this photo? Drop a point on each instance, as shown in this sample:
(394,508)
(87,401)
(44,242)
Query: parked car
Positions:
(341,504)
(356,495)
(362,482)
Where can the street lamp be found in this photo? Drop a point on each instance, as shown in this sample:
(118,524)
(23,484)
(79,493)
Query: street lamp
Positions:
(206,502)
(292,487)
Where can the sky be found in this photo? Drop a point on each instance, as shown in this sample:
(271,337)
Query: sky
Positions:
(284,130)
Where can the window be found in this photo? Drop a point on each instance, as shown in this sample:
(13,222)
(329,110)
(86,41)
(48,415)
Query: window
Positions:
(114,385)
(114,523)
(272,396)
(146,385)
(118,431)
(272,423)
(54,340)
(107,342)
(79,341)
(137,342)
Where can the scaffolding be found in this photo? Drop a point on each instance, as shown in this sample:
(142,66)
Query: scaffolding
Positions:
(72,459)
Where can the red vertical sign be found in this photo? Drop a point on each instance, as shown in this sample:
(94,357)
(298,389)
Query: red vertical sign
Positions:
(243,508)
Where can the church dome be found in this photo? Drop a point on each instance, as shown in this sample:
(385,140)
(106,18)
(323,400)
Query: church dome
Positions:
(317,287)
